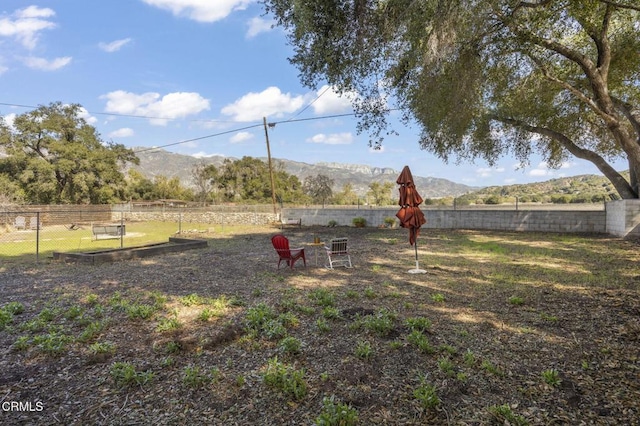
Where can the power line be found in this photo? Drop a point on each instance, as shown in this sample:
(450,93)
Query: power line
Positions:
(310,103)
(271,124)
(199,138)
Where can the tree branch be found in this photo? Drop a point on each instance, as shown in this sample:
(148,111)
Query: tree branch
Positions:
(604,48)
(632,114)
(619,182)
(573,55)
(621,6)
(574,91)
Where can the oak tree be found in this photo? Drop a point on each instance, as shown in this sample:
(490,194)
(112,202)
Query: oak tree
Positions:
(484,79)
(55,157)
(318,188)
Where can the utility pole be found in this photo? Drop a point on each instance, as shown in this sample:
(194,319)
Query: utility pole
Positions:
(273,186)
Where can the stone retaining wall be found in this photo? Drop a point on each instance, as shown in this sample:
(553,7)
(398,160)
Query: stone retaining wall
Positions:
(214,218)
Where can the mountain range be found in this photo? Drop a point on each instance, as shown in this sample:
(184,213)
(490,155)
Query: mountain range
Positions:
(161,162)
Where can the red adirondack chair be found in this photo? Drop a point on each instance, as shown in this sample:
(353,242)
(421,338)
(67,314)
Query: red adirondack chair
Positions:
(281,244)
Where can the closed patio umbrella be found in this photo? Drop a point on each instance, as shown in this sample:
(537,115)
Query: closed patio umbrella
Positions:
(410,215)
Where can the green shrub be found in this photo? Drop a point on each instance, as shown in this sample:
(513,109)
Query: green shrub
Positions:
(168,324)
(438,297)
(334,413)
(322,297)
(125,374)
(551,377)
(290,345)
(52,343)
(140,311)
(258,315)
(418,323)
(420,340)
(285,378)
(91,331)
(381,323)
(516,300)
(364,350)
(359,222)
(16,308)
(192,376)
(505,415)
(6,318)
(426,395)
(192,299)
(102,348)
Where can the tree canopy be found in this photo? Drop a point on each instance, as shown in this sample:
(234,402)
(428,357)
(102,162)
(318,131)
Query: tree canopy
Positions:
(381,193)
(54,156)
(248,179)
(484,79)
(318,188)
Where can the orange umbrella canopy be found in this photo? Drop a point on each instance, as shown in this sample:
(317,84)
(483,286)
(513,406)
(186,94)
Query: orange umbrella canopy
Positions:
(410,215)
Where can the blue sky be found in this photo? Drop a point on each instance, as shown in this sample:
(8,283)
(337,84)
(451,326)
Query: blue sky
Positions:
(159,72)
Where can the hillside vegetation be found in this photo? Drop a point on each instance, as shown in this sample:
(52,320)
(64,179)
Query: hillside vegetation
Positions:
(575,189)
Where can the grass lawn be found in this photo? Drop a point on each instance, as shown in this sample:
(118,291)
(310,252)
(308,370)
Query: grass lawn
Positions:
(20,246)
(504,328)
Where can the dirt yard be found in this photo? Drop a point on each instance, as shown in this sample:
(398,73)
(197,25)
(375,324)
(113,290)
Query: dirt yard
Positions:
(504,329)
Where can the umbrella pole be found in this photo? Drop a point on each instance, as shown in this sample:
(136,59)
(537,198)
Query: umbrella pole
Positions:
(415,245)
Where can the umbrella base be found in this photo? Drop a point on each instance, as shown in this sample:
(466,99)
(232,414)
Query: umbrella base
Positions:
(417,271)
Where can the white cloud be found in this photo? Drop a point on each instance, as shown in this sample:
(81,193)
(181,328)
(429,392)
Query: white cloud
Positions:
(90,119)
(114,46)
(330,102)
(539,172)
(201,10)
(43,64)
(34,12)
(332,139)
(271,102)
(543,169)
(25,25)
(241,137)
(3,69)
(124,132)
(158,109)
(205,155)
(483,172)
(258,25)
(489,171)
(9,119)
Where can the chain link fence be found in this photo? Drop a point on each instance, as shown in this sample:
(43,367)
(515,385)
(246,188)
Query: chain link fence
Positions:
(34,233)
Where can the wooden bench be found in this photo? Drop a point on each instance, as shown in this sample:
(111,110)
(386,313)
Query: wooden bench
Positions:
(293,222)
(105,231)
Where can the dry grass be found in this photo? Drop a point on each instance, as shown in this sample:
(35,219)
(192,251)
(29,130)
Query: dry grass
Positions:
(504,328)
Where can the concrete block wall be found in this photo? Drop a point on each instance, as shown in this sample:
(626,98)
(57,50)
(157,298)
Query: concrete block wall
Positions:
(503,220)
(623,218)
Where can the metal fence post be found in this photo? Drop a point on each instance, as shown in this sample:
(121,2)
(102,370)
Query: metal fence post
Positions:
(37,237)
(122,231)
